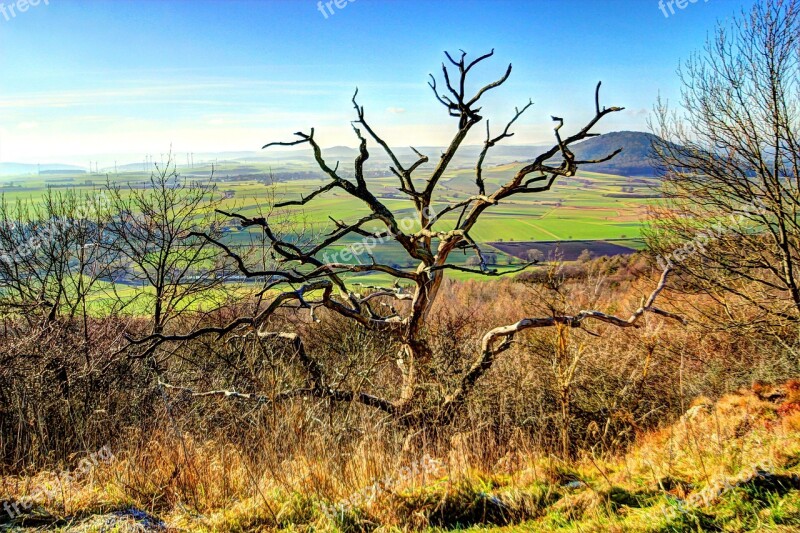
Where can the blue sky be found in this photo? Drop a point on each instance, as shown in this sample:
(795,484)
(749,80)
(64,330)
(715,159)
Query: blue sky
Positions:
(125,78)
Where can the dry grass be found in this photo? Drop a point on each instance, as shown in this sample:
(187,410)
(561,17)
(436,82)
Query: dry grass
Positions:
(733,464)
(653,444)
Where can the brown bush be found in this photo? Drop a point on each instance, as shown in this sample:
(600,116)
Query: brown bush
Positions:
(555,391)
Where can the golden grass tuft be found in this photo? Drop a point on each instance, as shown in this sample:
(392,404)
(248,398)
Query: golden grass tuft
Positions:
(731,463)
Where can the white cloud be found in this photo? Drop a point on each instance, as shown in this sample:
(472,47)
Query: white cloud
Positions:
(396,110)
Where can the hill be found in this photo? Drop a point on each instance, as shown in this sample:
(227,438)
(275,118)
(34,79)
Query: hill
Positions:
(13,169)
(635,159)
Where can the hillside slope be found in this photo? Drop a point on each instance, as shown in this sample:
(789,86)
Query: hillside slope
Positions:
(636,157)
(733,465)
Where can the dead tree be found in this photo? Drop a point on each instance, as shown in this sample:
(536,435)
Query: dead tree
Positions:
(306,281)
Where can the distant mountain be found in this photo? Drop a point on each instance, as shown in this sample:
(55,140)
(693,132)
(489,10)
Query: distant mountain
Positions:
(342,151)
(12,169)
(635,159)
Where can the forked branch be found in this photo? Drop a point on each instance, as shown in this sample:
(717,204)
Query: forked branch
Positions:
(500,339)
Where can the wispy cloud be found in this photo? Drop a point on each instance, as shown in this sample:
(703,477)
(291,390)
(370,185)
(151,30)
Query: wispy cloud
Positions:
(221,92)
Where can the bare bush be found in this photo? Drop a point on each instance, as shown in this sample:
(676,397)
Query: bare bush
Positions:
(729,157)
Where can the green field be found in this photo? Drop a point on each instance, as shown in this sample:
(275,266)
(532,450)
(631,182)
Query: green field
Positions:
(587,207)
